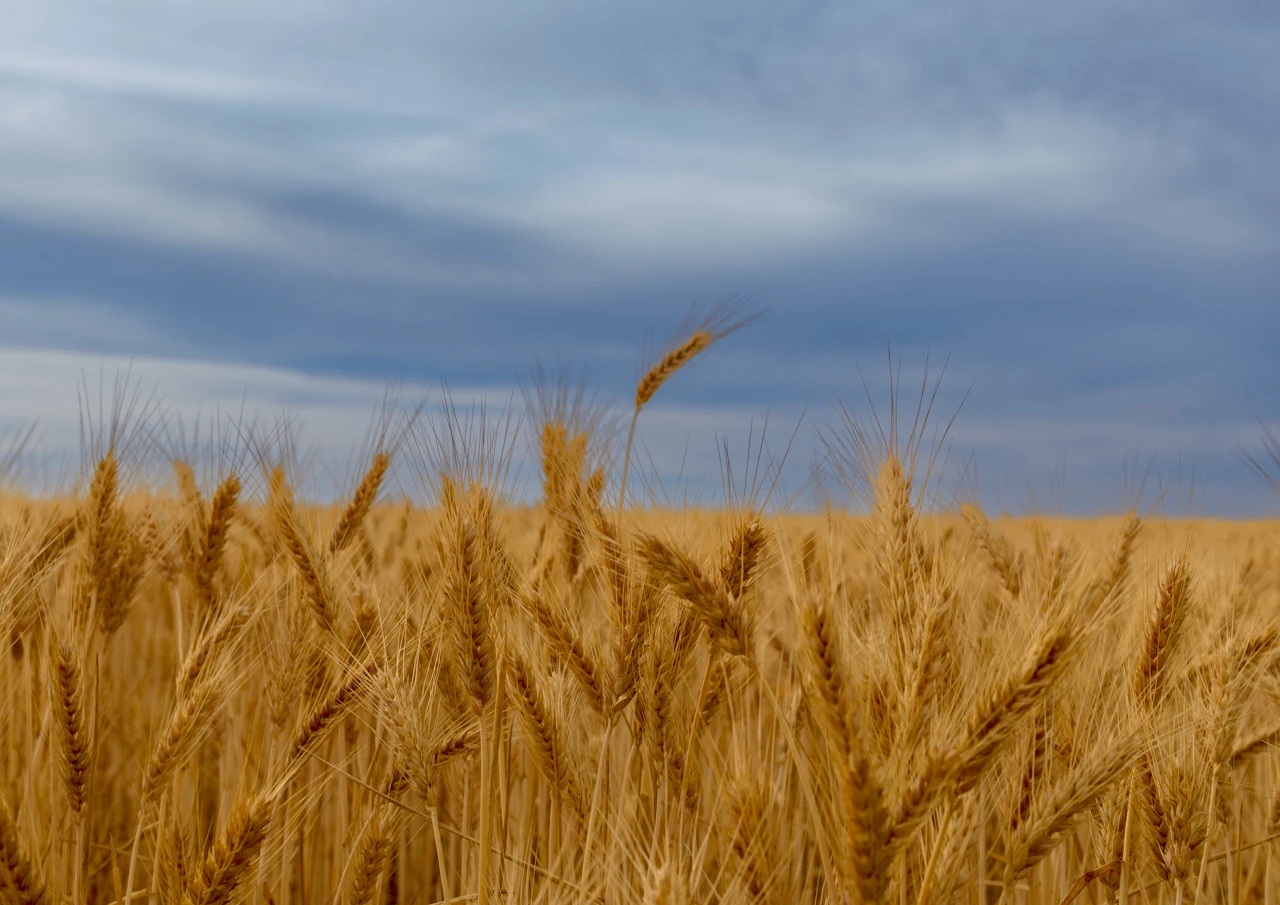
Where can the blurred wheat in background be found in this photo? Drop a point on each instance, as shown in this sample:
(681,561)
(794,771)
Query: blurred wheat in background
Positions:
(214,692)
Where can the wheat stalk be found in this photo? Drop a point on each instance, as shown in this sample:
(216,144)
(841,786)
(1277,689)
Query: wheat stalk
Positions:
(1036,837)
(361,502)
(1163,635)
(299,549)
(544,737)
(369,860)
(688,344)
(74,733)
(231,858)
(214,541)
(17,875)
(727,620)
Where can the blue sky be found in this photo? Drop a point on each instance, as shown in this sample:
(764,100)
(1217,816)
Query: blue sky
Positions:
(291,203)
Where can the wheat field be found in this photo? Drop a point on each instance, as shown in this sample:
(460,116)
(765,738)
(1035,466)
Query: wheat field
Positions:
(214,692)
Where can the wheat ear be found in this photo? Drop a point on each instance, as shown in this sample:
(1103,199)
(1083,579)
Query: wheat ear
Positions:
(742,555)
(184,729)
(327,711)
(727,619)
(209,558)
(232,857)
(358,509)
(372,853)
(1000,553)
(304,559)
(24,886)
(722,321)
(210,646)
(1074,795)
(466,592)
(995,717)
(866,821)
(1163,634)
(566,644)
(543,736)
(76,742)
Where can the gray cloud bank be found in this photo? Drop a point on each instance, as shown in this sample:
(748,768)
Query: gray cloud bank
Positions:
(1075,202)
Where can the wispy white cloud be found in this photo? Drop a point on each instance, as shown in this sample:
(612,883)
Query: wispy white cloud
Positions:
(612,181)
(113,75)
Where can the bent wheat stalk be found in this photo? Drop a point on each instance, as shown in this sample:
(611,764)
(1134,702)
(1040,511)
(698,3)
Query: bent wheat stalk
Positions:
(688,344)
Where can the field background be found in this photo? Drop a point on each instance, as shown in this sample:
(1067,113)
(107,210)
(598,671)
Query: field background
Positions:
(215,692)
(209,697)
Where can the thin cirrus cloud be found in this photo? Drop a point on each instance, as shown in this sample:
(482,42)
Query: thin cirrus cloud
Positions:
(1075,202)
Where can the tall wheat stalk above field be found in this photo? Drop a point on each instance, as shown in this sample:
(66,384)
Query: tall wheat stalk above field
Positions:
(694,337)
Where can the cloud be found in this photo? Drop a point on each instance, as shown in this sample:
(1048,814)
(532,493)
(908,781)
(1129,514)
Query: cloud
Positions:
(73,323)
(1070,200)
(122,76)
(787,134)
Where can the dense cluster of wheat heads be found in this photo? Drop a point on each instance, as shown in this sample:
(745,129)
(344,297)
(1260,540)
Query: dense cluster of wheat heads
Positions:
(214,695)
(212,699)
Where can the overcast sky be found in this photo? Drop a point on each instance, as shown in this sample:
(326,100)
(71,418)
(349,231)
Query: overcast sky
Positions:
(290,203)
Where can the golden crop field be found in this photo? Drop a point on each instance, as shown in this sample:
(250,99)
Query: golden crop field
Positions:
(218,694)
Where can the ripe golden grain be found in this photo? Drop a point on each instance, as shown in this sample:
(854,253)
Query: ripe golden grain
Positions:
(577,702)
